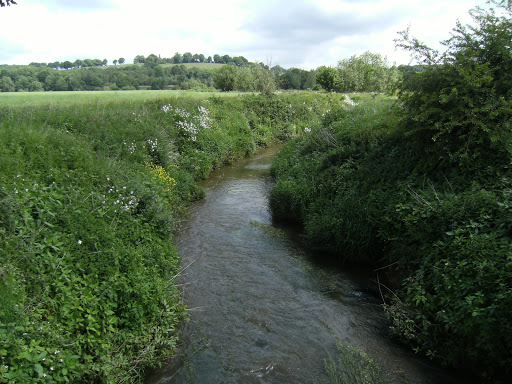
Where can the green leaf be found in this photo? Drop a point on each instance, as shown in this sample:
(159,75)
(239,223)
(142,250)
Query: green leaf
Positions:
(39,369)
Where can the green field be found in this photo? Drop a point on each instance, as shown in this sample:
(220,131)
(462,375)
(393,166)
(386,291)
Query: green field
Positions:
(212,66)
(9,99)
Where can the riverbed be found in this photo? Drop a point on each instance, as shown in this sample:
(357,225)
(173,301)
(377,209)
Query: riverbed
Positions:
(262,308)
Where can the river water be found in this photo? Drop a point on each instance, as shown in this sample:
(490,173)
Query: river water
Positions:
(262,310)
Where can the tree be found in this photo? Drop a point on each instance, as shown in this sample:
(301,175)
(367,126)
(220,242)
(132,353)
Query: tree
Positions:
(61,85)
(104,62)
(225,78)
(369,72)
(245,80)
(6,2)
(264,79)
(460,107)
(121,60)
(139,59)
(328,78)
(187,57)
(7,85)
(67,64)
(151,61)
(177,58)
(115,61)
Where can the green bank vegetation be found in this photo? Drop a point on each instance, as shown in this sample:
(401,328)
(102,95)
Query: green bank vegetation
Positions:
(90,193)
(421,189)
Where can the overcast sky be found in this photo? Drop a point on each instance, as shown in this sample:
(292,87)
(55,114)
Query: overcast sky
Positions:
(291,33)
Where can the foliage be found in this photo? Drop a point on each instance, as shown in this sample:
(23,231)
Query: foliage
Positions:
(328,78)
(368,72)
(460,109)
(6,2)
(326,172)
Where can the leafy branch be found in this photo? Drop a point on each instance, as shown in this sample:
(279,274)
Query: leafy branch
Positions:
(6,2)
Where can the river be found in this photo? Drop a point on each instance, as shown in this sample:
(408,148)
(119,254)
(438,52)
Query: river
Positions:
(262,309)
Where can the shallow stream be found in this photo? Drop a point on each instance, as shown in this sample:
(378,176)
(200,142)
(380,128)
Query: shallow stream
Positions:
(262,310)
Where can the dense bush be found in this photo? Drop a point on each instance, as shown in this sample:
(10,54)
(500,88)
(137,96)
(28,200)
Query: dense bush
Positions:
(322,179)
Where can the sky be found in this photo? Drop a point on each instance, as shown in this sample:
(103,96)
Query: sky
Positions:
(291,33)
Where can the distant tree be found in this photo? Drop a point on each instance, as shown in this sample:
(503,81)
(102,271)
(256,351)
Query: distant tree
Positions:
(291,79)
(139,59)
(36,86)
(61,85)
(238,61)
(105,62)
(369,72)
(226,59)
(54,65)
(210,59)
(67,64)
(23,84)
(121,60)
(217,59)
(328,78)
(202,59)
(177,58)
(264,79)
(6,2)
(187,57)
(151,61)
(225,78)
(310,80)
(245,80)
(159,71)
(278,69)
(78,63)
(7,85)
(115,61)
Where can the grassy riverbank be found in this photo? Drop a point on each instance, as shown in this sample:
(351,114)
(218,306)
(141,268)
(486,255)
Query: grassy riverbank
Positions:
(367,193)
(90,192)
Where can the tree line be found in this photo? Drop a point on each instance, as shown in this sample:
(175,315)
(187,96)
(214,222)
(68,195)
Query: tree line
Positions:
(366,73)
(188,57)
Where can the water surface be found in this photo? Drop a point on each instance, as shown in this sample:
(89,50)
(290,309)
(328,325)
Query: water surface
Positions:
(262,310)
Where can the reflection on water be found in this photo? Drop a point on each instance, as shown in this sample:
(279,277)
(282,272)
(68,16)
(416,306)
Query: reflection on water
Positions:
(261,310)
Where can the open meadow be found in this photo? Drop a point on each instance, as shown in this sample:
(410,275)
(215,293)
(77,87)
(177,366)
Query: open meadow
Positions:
(34,99)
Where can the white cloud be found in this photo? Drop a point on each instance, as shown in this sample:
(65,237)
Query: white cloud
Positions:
(297,33)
